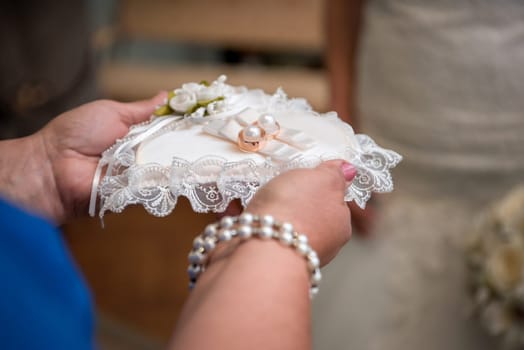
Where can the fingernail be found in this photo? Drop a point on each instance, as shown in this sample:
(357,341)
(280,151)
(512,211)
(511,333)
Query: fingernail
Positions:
(349,171)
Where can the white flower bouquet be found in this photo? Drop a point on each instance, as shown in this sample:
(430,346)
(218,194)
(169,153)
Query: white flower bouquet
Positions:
(495,254)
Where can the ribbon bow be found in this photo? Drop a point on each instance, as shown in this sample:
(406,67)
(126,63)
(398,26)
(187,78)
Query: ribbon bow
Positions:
(261,133)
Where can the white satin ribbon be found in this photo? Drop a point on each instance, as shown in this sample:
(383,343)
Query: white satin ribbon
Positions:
(230,129)
(136,136)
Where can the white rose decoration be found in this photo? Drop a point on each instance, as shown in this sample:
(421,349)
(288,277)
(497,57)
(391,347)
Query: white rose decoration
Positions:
(183,101)
(208,93)
(192,87)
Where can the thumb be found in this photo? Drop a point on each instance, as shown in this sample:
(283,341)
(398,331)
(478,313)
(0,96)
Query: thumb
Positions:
(139,111)
(341,167)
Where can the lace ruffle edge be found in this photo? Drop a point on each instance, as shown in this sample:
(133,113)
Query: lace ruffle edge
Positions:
(212,182)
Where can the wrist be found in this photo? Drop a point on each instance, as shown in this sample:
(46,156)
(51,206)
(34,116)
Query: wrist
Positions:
(258,288)
(26,177)
(224,239)
(255,254)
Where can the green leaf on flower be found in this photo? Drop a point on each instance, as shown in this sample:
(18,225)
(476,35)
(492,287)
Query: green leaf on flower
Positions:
(167,110)
(163,110)
(203,103)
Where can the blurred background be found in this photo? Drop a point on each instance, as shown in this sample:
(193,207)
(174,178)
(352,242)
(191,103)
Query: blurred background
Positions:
(438,81)
(60,54)
(146,46)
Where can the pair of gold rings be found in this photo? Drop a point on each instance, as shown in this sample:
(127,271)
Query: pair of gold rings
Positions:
(255,136)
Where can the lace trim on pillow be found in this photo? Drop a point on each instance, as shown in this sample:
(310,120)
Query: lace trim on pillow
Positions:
(212,182)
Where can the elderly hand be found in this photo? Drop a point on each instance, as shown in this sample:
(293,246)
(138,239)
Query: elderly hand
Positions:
(50,172)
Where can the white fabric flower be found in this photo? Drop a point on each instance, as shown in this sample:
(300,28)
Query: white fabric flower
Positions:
(199,113)
(192,87)
(183,100)
(216,107)
(299,104)
(208,93)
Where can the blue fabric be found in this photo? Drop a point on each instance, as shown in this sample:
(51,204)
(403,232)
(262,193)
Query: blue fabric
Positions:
(44,302)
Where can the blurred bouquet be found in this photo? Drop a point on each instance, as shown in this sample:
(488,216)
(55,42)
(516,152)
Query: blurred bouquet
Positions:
(495,254)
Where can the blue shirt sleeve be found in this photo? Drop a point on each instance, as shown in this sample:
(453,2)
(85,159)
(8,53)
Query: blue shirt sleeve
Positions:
(44,302)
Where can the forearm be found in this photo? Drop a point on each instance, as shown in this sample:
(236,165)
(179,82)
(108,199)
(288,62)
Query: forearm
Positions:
(343,19)
(255,298)
(26,177)
(255,295)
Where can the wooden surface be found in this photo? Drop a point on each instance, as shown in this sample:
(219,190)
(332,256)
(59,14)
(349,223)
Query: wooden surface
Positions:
(136,266)
(255,24)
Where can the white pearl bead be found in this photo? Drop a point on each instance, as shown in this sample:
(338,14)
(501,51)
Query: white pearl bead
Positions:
(245,219)
(267,220)
(209,244)
(266,119)
(286,227)
(316,277)
(265,232)
(313,262)
(313,291)
(193,271)
(302,248)
(286,238)
(268,122)
(302,239)
(252,133)
(198,243)
(196,258)
(312,255)
(226,222)
(225,235)
(210,230)
(245,231)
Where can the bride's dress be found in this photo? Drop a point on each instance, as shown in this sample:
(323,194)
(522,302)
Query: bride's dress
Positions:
(442,83)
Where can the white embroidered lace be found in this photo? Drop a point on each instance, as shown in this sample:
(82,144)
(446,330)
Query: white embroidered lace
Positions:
(212,182)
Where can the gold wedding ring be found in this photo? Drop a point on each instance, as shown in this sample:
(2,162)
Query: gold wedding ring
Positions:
(252,138)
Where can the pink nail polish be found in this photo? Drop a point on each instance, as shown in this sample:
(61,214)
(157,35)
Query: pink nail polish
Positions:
(349,171)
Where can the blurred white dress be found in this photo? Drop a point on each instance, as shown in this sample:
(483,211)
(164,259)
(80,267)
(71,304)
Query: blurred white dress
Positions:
(442,83)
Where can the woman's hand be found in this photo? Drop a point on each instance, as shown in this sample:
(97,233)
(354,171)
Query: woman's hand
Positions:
(313,201)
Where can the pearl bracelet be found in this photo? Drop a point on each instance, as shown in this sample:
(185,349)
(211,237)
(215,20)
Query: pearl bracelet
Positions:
(247,226)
